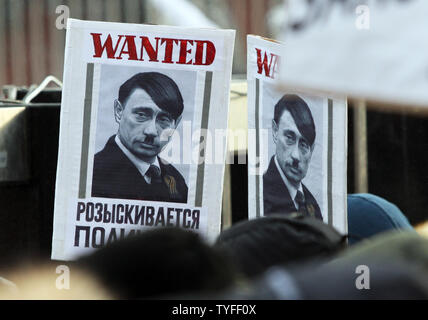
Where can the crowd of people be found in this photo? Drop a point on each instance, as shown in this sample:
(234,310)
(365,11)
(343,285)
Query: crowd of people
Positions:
(280,257)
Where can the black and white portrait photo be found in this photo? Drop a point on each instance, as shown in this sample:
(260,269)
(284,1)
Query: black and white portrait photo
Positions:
(293,181)
(139,111)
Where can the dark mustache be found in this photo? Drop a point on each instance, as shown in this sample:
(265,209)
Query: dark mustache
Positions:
(294,164)
(150,140)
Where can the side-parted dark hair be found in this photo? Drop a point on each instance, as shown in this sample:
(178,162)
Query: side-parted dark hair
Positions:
(161,88)
(301,114)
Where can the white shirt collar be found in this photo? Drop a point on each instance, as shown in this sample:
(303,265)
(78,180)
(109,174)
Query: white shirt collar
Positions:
(141,165)
(291,189)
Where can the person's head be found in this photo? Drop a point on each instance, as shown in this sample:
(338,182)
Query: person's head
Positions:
(160,262)
(258,244)
(293,130)
(148,110)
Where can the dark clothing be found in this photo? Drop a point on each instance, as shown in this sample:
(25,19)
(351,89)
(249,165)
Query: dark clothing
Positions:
(277,199)
(256,245)
(115,176)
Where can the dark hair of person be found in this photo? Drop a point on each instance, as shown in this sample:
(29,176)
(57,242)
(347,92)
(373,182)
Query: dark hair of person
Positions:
(300,112)
(161,88)
(278,239)
(160,262)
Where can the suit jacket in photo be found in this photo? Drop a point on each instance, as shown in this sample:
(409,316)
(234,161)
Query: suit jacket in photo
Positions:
(115,176)
(277,199)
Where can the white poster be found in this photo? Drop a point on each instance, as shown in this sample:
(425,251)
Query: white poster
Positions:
(367,49)
(297,143)
(138,105)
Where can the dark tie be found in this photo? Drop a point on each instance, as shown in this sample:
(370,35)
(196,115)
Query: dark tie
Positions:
(300,200)
(154,174)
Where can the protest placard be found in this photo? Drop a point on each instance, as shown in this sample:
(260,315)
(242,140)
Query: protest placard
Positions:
(138,107)
(297,143)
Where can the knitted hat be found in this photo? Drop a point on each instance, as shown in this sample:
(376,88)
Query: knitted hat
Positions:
(257,244)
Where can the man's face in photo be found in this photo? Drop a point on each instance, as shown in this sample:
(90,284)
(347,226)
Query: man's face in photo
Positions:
(144,128)
(293,152)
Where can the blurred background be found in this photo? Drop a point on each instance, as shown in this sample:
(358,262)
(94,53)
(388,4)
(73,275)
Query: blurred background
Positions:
(31,46)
